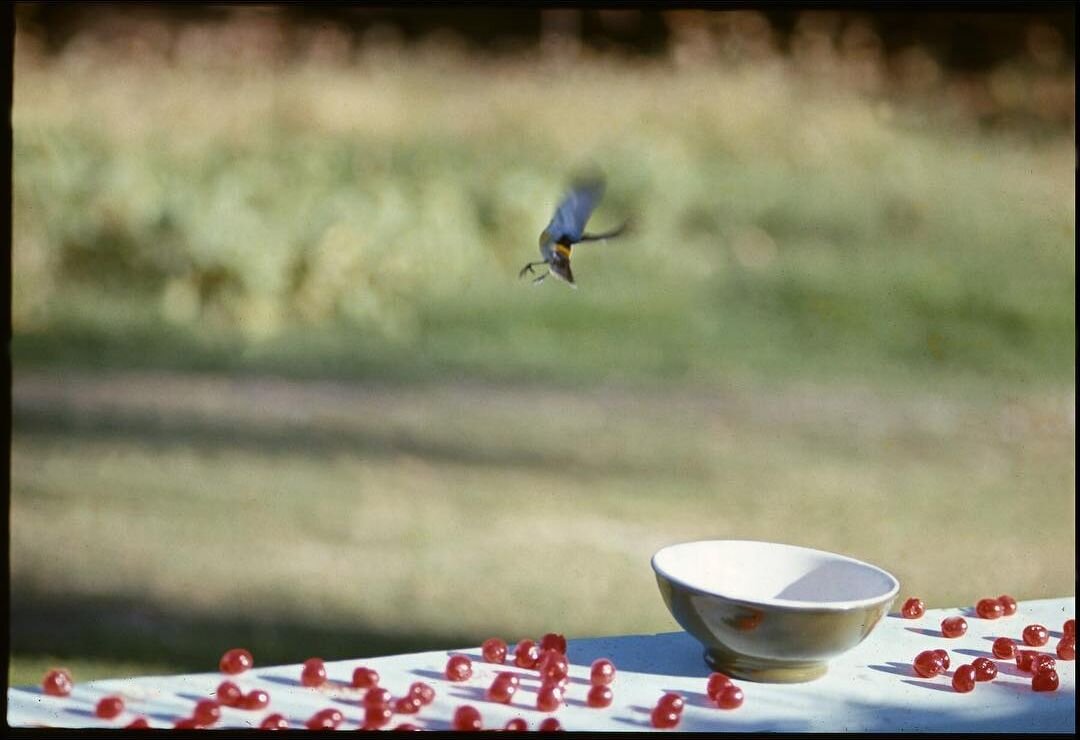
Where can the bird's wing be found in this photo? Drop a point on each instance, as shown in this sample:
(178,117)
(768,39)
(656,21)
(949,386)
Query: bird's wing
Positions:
(568,223)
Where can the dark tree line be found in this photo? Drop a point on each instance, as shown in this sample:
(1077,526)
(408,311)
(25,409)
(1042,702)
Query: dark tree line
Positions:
(969,38)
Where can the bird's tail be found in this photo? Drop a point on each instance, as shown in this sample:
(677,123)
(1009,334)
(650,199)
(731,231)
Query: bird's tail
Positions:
(606,234)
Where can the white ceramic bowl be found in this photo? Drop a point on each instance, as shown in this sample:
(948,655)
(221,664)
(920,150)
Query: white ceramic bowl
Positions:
(771,612)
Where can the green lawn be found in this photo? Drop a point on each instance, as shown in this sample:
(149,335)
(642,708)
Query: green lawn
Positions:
(370,221)
(164,518)
(277,384)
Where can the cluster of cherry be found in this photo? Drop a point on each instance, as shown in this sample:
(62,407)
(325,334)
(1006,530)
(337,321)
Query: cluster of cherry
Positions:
(1041,666)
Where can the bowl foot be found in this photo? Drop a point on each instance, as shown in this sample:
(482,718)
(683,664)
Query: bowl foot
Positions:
(762,670)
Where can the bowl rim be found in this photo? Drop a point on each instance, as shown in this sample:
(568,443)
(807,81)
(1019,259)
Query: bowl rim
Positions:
(785,604)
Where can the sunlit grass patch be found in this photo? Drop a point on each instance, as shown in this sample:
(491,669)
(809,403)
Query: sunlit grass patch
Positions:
(400,200)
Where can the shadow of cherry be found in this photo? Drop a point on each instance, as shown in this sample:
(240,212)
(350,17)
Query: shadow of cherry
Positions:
(895,668)
(926,632)
(929,685)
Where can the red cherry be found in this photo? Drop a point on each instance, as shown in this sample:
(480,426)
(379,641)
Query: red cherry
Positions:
(325,719)
(602,673)
(549,724)
(458,668)
(553,641)
(407,704)
(716,682)
(990,608)
(502,689)
(553,666)
(517,724)
(139,723)
(274,722)
(377,697)
(1046,681)
(1004,648)
(236,661)
(185,723)
(944,658)
(313,673)
(664,720)
(1066,648)
(206,712)
(985,669)
(599,697)
(1035,635)
(229,694)
(1069,628)
(963,680)
(109,706)
(560,682)
(526,654)
(423,692)
(377,716)
(928,664)
(953,626)
(1042,663)
(1024,659)
(913,608)
(1008,604)
(365,678)
(549,698)
(467,718)
(407,727)
(57,682)
(729,697)
(255,699)
(671,703)
(494,650)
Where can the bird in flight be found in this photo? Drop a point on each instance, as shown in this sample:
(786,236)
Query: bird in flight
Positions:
(567,228)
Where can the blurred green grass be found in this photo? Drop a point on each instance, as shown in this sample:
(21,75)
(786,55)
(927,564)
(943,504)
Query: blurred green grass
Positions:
(342,520)
(841,320)
(371,219)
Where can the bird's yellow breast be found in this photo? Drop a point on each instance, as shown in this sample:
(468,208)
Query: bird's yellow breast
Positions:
(563,250)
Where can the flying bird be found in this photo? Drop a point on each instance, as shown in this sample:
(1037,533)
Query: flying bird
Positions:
(567,228)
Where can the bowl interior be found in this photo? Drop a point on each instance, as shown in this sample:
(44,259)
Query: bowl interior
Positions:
(771,573)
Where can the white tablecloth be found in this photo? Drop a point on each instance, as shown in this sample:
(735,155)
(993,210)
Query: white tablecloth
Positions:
(870,689)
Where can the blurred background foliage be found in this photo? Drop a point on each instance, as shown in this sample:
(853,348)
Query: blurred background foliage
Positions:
(241,181)
(850,284)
